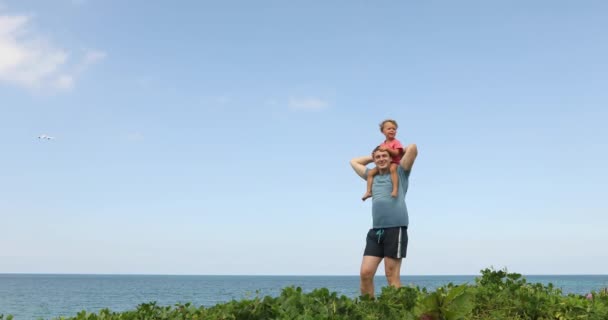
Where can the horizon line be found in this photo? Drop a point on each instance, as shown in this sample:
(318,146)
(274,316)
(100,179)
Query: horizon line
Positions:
(285,275)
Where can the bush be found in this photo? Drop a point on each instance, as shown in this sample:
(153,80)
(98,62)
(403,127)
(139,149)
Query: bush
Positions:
(495,295)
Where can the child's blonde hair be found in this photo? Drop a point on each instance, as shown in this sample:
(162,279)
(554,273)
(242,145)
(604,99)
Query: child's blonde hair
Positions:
(388,120)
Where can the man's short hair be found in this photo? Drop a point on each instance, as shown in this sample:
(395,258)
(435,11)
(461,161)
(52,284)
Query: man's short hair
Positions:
(378,149)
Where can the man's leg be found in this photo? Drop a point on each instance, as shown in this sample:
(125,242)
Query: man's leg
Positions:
(368,271)
(392,269)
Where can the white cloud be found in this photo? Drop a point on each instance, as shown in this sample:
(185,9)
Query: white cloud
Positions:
(29,60)
(92,57)
(215,102)
(271,102)
(222,100)
(307,104)
(135,136)
(64,82)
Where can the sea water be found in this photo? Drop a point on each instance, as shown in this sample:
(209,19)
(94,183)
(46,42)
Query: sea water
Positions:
(47,296)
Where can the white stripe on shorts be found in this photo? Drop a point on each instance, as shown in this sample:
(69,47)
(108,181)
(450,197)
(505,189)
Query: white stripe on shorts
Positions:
(399,244)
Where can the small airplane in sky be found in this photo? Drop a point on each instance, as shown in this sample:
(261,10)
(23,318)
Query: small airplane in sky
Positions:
(45,137)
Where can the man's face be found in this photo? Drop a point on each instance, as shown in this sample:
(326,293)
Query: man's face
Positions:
(382,159)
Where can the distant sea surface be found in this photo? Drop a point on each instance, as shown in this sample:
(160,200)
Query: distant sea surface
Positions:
(47,296)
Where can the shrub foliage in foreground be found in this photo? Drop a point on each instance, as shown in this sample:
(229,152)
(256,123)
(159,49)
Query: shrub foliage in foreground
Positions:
(495,295)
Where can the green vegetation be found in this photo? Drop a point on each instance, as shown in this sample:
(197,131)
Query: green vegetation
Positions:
(495,295)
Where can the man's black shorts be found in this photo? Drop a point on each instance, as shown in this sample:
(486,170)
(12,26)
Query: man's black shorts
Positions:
(387,242)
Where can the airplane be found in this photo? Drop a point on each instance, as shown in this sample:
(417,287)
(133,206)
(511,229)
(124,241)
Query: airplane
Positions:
(45,137)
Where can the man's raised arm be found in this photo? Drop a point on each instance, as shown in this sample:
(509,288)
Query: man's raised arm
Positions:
(407,161)
(359,165)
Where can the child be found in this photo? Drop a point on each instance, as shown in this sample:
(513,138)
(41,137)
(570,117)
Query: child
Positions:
(395,149)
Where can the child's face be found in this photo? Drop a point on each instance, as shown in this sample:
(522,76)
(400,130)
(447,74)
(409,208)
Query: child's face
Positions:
(389,130)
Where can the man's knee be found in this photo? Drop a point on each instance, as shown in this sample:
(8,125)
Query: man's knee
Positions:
(392,270)
(367,274)
(393,277)
(391,273)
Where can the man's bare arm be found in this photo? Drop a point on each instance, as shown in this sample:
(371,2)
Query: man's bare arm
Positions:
(359,165)
(411,152)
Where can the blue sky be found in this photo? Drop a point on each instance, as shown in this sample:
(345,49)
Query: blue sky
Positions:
(200,137)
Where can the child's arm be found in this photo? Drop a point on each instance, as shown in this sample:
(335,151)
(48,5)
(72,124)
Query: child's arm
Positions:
(393,152)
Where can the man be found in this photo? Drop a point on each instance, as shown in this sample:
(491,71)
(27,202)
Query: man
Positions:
(388,238)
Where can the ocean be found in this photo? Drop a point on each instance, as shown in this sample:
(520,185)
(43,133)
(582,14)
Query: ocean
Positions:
(48,296)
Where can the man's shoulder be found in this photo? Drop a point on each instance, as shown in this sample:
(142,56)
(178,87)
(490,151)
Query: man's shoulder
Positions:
(402,171)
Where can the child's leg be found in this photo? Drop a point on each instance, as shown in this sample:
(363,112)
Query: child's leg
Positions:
(395,179)
(370,180)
